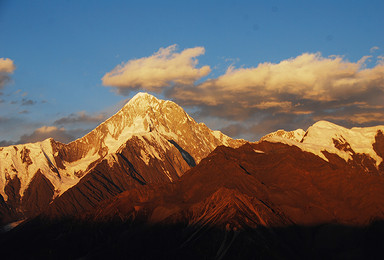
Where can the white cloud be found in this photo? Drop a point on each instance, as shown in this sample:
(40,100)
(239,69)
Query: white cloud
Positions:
(44,132)
(308,76)
(6,68)
(293,93)
(48,129)
(164,68)
(6,65)
(373,49)
(299,85)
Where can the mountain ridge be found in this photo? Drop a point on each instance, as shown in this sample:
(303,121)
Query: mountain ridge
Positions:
(152,172)
(326,137)
(155,122)
(151,141)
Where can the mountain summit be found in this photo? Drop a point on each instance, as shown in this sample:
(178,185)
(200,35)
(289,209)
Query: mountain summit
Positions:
(157,139)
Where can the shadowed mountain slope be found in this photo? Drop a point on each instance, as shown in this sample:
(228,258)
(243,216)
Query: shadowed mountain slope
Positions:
(269,184)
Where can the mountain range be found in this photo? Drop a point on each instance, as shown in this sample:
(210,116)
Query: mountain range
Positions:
(152,182)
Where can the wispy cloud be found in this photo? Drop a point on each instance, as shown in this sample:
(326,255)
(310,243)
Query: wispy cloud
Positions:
(27,102)
(373,49)
(163,69)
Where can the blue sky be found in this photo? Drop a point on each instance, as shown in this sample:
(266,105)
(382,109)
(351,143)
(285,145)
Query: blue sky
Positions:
(61,50)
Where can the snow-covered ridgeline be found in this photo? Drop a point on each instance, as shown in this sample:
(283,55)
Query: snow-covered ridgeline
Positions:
(295,135)
(320,137)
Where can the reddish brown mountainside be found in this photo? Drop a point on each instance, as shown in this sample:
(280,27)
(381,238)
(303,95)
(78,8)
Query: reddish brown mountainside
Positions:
(263,200)
(267,184)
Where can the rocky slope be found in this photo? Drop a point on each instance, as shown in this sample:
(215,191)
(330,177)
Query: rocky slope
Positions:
(147,141)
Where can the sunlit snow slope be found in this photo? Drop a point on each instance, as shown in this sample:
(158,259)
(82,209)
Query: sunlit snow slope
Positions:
(358,144)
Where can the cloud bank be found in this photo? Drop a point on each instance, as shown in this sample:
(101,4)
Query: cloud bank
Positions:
(44,132)
(290,94)
(163,69)
(6,69)
(306,84)
(59,134)
(80,117)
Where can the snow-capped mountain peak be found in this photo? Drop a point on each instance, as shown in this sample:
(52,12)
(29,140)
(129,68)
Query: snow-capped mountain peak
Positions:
(155,129)
(143,99)
(323,124)
(343,141)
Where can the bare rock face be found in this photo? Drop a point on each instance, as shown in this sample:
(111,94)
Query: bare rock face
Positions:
(378,146)
(38,195)
(156,138)
(7,213)
(12,189)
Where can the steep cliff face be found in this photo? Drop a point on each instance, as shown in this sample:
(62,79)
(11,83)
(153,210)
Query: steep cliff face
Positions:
(156,138)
